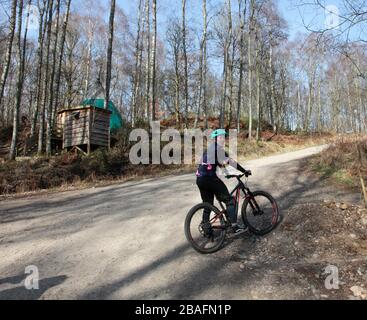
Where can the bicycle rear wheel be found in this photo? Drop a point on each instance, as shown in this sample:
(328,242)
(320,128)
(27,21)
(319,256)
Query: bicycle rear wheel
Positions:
(205,236)
(260,213)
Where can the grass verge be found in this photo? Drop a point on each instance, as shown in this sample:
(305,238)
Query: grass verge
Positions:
(344,163)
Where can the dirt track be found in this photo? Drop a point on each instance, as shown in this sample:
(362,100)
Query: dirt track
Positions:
(127,241)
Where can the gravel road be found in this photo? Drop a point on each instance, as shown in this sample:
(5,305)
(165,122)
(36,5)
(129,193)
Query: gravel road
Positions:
(127,242)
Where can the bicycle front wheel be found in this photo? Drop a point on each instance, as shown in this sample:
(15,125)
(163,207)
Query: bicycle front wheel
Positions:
(205,228)
(260,213)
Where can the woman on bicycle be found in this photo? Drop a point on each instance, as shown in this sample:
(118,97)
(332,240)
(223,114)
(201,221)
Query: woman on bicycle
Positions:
(209,183)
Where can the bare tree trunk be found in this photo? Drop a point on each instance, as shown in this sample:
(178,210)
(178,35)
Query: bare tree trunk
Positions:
(311,84)
(272,90)
(46,80)
(202,60)
(147,62)
(362,106)
(89,61)
(10,101)
(231,76)
(177,86)
(309,106)
(141,51)
(199,99)
(299,122)
(319,120)
(137,74)
(226,65)
(335,122)
(205,65)
(109,52)
(184,50)
(5,72)
(25,42)
(41,36)
(50,112)
(281,112)
(257,73)
(224,87)
(20,79)
(258,111)
(350,110)
(153,71)
(230,62)
(242,59)
(251,19)
(69,78)
(62,49)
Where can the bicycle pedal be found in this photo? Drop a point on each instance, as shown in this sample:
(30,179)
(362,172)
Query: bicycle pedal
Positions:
(233,234)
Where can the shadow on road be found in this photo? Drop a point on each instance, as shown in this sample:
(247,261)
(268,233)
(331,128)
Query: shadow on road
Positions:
(13,280)
(213,275)
(21,293)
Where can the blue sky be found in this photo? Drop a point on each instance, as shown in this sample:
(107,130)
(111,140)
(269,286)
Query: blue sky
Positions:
(288,9)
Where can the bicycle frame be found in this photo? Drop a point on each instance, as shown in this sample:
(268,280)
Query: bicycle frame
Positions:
(236,194)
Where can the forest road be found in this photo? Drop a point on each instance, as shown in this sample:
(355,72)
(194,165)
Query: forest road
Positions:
(127,241)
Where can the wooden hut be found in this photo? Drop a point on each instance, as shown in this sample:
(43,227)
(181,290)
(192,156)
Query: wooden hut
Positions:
(84,127)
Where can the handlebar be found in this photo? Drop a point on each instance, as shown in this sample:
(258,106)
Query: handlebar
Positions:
(245,174)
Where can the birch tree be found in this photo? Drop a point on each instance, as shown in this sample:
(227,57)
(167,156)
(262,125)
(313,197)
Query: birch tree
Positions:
(46,78)
(184,50)
(137,71)
(20,79)
(109,52)
(4,75)
(153,61)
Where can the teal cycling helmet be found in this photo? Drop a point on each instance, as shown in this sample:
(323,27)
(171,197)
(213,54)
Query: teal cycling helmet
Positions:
(217,133)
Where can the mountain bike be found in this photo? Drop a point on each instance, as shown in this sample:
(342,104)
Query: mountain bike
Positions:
(259,213)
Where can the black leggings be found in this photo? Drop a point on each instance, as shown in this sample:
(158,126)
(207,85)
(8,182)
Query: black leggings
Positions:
(213,186)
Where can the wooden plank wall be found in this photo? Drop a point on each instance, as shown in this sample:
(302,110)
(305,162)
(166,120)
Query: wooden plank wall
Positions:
(76,128)
(87,126)
(100,128)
